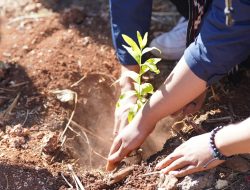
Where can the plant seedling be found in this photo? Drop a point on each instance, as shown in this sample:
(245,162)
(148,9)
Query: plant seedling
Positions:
(141,90)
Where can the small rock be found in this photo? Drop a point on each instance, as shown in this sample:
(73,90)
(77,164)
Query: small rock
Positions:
(50,143)
(16,142)
(239,164)
(198,181)
(40,135)
(17,131)
(86,41)
(220,184)
(167,182)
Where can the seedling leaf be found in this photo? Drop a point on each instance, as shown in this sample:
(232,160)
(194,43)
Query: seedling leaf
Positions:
(147,88)
(148,49)
(150,64)
(140,39)
(134,54)
(131,43)
(145,40)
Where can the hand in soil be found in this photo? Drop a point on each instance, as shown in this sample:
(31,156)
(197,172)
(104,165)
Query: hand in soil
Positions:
(190,157)
(126,167)
(129,139)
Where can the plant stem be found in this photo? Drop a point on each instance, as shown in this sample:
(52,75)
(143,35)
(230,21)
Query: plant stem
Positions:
(140,74)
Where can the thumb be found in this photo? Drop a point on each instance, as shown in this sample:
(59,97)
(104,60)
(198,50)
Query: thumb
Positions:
(115,158)
(119,155)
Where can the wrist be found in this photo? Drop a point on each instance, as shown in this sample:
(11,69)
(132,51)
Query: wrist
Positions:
(221,142)
(144,121)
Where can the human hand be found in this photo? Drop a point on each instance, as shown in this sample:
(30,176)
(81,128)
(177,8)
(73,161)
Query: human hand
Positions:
(129,139)
(190,157)
(121,114)
(126,84)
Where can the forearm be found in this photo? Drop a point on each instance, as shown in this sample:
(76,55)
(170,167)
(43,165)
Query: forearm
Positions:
(234,139)
(180,88)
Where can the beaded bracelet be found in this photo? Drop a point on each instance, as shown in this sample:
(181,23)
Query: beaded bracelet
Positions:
(216,153)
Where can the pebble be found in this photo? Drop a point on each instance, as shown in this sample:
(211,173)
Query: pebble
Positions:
(220,184)
(167,182)
(238,164)
(198,181)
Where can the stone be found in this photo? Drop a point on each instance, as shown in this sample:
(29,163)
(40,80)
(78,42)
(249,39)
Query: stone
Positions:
(238,164)
(220,184)
(167,182)
(198,181)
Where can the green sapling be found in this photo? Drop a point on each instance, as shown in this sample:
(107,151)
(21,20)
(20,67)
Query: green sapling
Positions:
(141,90)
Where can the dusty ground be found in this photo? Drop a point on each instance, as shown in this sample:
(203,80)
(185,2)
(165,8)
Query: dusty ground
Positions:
(51,44)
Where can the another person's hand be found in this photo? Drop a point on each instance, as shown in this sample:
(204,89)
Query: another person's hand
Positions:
(129,139)
(190,157)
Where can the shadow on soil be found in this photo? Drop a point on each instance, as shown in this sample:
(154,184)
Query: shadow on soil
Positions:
(19,177)
(82,14)
(20,102)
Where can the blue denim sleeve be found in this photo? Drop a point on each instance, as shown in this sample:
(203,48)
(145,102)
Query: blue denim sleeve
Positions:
(218,48)
(127,17)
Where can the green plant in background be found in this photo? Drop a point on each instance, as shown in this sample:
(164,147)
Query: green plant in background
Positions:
(141,90)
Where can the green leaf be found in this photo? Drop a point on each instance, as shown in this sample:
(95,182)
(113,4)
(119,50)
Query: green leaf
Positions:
(132,112)
(134,54)
(139,39)
(145,40)
(144,89)
(140,103)
(148,49)
(132,44)
(118,103)
(147,88)
(150,64)
(144,69)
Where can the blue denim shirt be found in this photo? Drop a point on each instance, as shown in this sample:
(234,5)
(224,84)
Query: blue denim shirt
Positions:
(215,51)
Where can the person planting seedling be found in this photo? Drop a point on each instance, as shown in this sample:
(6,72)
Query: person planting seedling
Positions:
(216,49)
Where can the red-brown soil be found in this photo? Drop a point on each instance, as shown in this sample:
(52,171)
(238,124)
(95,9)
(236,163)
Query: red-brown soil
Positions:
(49,44)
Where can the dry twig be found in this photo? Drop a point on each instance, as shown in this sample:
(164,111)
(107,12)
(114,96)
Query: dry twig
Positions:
(79,185)
(71,117)
(151,173)
(12,106)
(33,16)
(68,183)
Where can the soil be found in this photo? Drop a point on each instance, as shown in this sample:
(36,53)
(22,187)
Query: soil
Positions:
(48,45)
